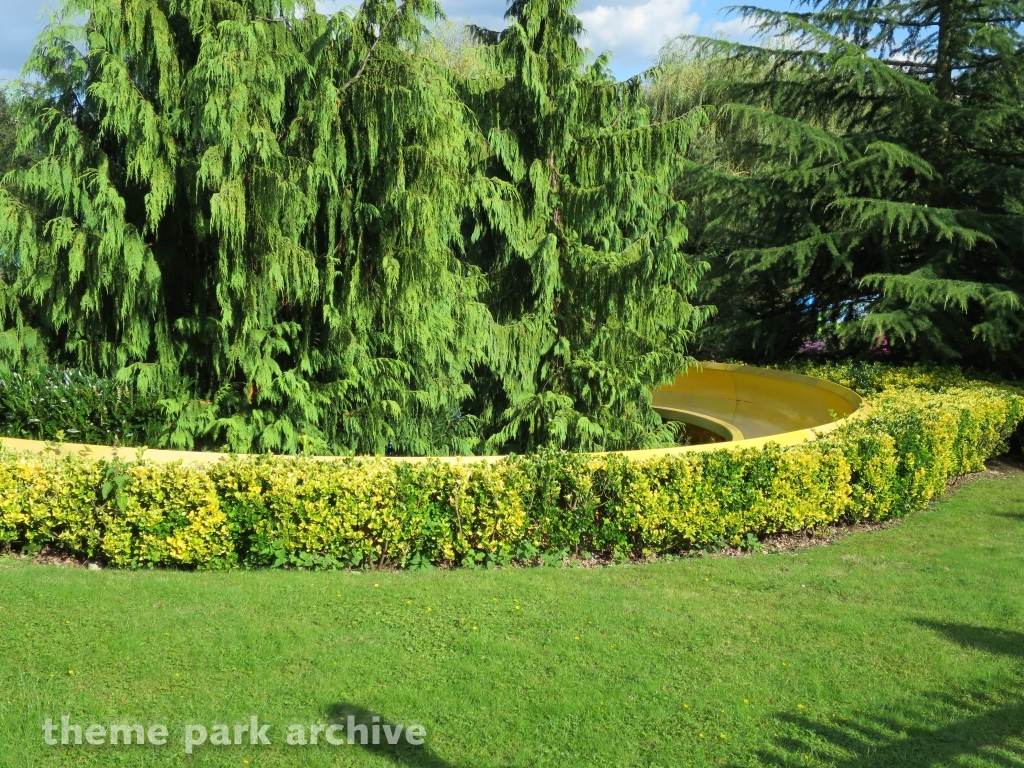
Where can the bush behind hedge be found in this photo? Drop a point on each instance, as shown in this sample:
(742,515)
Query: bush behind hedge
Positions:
(52,403)
(871,377)
(276,511)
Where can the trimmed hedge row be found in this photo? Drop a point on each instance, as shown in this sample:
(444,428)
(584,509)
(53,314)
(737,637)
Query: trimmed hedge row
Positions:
(276,511)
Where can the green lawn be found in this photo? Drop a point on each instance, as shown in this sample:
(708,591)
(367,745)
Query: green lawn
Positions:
(901,647)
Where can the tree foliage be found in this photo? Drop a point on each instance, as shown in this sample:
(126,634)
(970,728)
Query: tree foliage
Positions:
(314,232)
(866,178)
(8,134)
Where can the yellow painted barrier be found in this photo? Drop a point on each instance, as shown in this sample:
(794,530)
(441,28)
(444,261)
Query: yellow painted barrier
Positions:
(746,407)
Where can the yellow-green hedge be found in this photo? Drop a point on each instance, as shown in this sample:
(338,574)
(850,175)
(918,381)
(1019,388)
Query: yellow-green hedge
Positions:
(275,511)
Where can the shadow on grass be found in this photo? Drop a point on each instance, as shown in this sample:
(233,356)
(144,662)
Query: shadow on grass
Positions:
(1019,516)
(1001,641)
(403,753)
(988,728)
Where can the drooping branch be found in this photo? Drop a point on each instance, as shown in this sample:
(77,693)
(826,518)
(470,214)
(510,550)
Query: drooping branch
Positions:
(373,47)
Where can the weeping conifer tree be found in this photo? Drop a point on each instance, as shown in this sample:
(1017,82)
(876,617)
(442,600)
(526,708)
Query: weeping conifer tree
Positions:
(867,181)
(586,275)
(254,206)
(312,235)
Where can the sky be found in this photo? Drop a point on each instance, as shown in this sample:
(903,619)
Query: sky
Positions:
(633,30)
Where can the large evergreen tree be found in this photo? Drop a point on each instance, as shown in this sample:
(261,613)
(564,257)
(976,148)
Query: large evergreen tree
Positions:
(867,181)
(586,274)
(312,233)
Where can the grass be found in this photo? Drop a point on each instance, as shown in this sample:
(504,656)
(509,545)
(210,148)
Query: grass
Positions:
(901,647)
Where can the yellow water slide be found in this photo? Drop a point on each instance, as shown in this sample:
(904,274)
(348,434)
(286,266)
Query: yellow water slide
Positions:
(749,406)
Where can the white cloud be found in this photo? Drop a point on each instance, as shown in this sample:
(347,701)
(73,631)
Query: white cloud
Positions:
(634,30)
(637,32)
(737,30)
(334,6)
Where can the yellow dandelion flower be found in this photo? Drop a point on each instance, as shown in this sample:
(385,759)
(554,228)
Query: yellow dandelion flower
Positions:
(474,629)
(799,706)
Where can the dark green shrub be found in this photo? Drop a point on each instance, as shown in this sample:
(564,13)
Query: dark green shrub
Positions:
(61,404)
